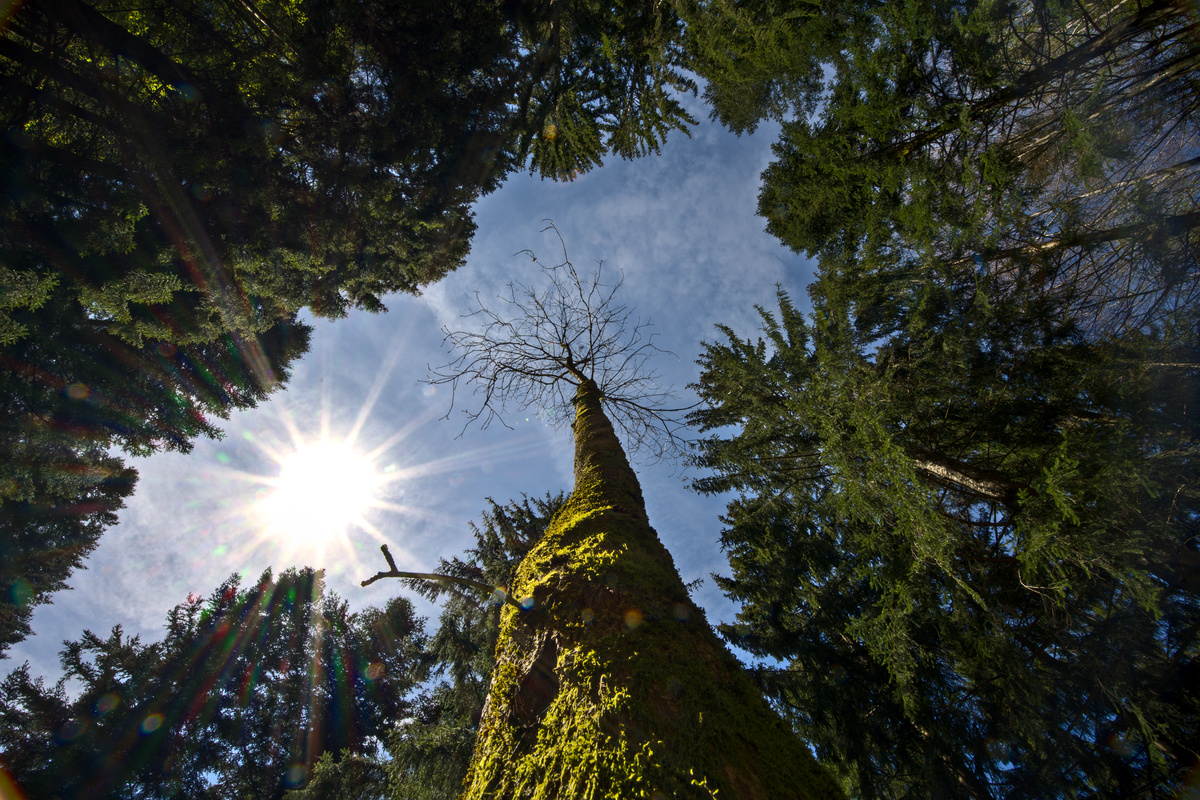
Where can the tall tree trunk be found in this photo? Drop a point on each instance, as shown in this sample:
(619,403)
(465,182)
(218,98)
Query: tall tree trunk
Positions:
(612,684)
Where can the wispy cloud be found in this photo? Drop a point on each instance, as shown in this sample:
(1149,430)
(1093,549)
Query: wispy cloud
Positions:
(682,230)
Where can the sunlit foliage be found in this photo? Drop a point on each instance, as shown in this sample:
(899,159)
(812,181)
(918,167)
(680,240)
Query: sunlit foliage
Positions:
(179,179)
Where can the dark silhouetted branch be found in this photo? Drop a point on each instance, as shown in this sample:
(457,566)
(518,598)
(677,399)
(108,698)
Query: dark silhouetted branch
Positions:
(546,342)
(393,572)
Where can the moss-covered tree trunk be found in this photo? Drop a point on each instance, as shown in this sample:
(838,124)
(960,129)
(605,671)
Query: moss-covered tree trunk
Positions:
(612,684)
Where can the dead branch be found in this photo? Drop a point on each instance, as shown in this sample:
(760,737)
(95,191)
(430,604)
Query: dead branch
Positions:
(537,345)
(393,572)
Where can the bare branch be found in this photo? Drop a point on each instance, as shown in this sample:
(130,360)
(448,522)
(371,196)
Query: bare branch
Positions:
(438,578)
(536,345)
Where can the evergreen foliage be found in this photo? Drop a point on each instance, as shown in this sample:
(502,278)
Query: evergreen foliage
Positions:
(244,695)
(184,170)
(71,393)
(179,179)
(971,540)
(348,777)
(427,754)
(608,78)
(966,520)
(1050,145)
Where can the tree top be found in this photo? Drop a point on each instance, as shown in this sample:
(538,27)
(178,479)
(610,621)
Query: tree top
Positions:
(537,346)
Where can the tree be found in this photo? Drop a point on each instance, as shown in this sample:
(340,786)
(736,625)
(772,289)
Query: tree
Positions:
(189,169)
(351,777)
(70,394)
(607,680)
(549,344)
(1050,145)
(430,755)
(964,501)
(971,542)
(179,179)
(244,695)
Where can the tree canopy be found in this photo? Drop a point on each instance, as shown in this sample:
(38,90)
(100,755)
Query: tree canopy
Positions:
(973,550)
(188,170)
(244,694)
(965,519)
(281,677)
(1049,145)
(72,393)
(179,179)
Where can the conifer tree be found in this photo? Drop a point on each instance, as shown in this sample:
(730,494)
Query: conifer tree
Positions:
(428,755)
(964,505)
(1050,146)
(184,170)
(241,699)
(607,679)
(969,537)
(71,394)
(179,179)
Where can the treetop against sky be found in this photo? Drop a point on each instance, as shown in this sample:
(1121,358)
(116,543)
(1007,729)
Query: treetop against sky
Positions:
(363,378)
(968,463)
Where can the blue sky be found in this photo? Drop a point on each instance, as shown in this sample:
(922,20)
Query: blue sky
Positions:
(682,229)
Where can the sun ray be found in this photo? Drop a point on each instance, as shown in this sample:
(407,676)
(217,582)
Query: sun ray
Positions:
(490,455)
(368,405)
(285,416)
(415,512)
(402,554)
(419,421)
(328,488)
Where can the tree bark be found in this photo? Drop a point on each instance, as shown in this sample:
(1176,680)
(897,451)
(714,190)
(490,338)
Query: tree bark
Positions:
(948,471)
(611,684)
(1162,227)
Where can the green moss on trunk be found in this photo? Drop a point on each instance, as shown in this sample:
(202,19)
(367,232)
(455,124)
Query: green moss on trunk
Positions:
(612,685)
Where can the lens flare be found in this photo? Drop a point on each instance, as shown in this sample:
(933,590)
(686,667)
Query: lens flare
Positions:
(8,787)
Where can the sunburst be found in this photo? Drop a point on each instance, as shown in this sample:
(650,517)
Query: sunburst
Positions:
(323,489)
(328,488)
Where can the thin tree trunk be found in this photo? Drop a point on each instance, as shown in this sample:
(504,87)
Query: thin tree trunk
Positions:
(977,481)
(612,684)
(1162,227)
(1155,13)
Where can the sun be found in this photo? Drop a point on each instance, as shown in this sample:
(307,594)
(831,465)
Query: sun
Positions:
(323,488)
